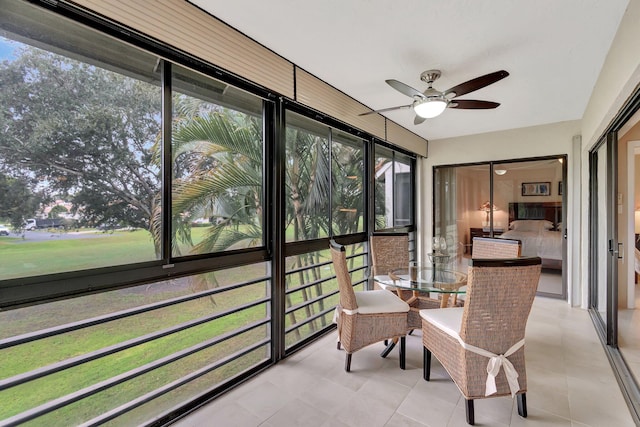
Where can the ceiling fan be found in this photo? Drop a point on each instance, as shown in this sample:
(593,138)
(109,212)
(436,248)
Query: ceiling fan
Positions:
(432,102)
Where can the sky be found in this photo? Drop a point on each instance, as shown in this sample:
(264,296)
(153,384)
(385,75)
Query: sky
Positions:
(6,49)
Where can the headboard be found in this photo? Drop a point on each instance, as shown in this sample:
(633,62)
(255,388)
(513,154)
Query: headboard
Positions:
(551,211)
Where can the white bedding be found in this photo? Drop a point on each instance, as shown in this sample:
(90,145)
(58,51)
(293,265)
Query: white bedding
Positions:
(545,244)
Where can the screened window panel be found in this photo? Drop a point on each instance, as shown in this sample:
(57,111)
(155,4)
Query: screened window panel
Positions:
(217,146)
(403,191)
(166,319)
(383,169)
(393,189)
(307,180)
(347,178)
(76,154)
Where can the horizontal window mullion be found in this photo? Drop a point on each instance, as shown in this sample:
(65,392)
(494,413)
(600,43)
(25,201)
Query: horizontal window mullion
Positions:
(311,301)
(306,246)
(308,285)
(79,360)
(309,320)
(309,267)
(323,280)
(119,379)
(107,416)
(31,290)
(57,330)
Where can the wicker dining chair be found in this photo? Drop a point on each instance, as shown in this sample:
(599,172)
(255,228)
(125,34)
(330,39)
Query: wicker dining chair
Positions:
(487,334)
(487,247)
(390,251)
(490,248)
(366,317)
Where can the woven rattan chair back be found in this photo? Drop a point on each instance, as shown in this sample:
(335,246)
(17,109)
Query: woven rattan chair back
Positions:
(389,251)
(499,297)
(485,247)
(347,294)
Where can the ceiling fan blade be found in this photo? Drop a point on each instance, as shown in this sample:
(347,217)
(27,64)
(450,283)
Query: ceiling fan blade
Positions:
(472,104)
(401,107)
(417,120)
(403,88)
(477,83)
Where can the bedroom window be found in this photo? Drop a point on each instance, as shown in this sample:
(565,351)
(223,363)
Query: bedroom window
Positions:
(519,199)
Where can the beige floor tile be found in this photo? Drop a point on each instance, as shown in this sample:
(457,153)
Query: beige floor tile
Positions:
(597,405)
(570,383)
(230,415)
(365,411)
(327,396)
(399,420)
(538,418)
(297,413)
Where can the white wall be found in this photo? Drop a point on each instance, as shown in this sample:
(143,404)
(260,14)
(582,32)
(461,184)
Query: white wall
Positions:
(619,76)
(545,140)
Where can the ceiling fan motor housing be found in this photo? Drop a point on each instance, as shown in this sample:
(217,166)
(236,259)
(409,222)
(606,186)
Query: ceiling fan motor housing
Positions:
(430,76)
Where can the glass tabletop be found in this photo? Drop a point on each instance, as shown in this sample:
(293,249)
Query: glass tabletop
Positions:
(428,279)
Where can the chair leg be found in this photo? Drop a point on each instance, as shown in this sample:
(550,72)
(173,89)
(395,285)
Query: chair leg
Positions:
(402,352)
(426,364)
(347,363)
(470,415)
(387,350)
(522,405)
(338,345)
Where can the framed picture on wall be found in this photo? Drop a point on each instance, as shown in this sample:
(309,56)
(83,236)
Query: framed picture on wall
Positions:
(536,188)
(559,188)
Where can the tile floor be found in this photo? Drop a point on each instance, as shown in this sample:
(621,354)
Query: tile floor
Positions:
(570,384)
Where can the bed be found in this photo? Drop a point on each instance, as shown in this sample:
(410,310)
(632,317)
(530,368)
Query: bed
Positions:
(538,226)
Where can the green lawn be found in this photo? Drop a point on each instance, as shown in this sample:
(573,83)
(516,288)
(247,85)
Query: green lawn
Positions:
(121,248)
(24,258)
(43,352)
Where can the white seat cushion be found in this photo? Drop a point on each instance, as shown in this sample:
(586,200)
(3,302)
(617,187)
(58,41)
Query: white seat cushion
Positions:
(381,279)
(372,302)
(448,320)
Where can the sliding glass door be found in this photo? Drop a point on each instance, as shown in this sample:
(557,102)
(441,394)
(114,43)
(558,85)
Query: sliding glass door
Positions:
(613,203)
(519,199)
(602,236)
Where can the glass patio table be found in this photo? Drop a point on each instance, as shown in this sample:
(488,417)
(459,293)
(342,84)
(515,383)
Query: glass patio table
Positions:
(426,280)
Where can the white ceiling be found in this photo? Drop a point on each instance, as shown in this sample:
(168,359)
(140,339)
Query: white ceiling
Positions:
(553,50)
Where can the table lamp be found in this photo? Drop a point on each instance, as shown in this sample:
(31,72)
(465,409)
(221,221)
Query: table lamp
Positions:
(487,207)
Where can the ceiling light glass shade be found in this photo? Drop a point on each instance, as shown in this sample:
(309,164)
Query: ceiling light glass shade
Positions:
(500,171)
(430,108)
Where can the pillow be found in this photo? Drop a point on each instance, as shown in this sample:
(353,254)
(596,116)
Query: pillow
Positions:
(531,225)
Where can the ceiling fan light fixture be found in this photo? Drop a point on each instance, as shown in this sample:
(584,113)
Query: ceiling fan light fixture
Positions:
(430,107)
